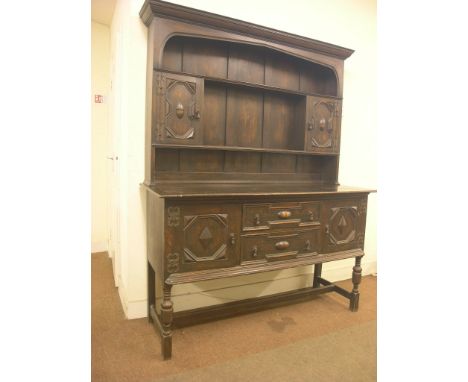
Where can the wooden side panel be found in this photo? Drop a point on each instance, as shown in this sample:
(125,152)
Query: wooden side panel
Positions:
(281,71)
(278,163)
(279,127)
(244,119)
(317,79)
(201,161)
(214,118)
(246,64)
(155,236)
(205,57)
(172,56)
(242,162)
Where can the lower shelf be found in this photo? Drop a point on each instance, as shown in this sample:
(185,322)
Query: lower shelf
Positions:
(234,308)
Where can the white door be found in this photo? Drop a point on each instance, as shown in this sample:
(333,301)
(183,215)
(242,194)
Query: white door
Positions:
(115,120)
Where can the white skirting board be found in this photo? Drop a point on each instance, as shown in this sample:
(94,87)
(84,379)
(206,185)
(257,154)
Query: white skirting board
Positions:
(191,296)
(99,247)
(132,309)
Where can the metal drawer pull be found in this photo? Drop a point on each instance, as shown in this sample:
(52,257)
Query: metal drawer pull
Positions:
(232,239)
(311,215)
(257,219)
(254,251)
(284,214)
(307,245)
(282,245)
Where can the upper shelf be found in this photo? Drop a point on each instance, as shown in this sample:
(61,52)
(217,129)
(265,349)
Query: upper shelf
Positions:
(245,149)
(273,89)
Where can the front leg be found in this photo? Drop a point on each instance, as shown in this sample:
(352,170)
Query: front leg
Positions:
(317,275)
(166,320)
(354,300)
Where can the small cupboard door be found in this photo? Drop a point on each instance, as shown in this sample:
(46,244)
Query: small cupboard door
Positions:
(345,223)
(323,124)
(201,236)
(177,108)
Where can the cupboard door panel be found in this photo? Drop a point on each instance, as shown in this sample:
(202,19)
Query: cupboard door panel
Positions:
(323,124)
(178,109)
(345,222)
(202,236)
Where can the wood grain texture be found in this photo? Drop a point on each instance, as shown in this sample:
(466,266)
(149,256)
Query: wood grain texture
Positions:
(246,64)
(205,59)
(214,117)
(280,130)
(244,121)
(281,71)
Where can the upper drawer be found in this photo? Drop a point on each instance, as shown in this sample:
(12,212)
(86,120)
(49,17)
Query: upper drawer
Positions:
(271,215)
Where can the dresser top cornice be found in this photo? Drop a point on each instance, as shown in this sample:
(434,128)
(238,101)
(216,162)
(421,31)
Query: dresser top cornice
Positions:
(163,9)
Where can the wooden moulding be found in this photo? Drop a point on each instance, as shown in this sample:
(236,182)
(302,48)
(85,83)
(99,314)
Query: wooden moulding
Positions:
(241,270)
(164,9)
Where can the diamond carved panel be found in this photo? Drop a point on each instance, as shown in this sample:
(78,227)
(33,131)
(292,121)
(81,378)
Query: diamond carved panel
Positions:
(205,237)
(179,100)
(342,225)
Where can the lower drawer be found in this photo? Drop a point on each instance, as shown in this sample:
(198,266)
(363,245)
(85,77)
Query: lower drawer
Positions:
(281,245)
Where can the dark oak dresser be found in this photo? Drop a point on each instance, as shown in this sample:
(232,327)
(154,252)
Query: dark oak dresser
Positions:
(241,161)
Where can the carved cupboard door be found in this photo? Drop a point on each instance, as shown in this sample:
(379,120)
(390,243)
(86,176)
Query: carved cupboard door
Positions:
(323,124)
(177,104)
(201,237)
(345,222)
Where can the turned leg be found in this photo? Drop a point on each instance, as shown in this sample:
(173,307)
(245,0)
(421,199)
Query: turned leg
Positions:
(151,290)
(357,270)
(166,321)
(317,274)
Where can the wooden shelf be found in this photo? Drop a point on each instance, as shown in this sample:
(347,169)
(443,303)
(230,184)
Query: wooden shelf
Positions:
(245,149)
(218,80)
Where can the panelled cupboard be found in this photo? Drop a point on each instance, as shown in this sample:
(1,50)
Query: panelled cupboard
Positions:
(241,160)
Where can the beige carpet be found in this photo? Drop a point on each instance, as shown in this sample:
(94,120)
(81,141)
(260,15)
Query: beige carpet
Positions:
(319,340)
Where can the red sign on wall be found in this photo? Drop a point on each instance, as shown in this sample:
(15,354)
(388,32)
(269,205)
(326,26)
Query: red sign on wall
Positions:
(98,98)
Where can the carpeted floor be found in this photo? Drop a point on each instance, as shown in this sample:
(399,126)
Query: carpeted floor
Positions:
(318,340)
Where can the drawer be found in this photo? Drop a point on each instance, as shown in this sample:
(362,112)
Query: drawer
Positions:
(281,245)
(280,215)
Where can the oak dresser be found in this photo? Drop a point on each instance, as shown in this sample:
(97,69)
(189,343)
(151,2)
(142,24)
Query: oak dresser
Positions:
(241,161)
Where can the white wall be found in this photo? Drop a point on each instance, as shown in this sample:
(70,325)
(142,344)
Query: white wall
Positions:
(100,82)
(349,23)
(128,77)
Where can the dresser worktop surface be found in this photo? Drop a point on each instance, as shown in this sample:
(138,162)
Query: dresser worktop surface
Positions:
(191,189)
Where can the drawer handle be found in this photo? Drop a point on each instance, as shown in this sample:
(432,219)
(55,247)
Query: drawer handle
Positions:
(282,245)
(232,239)
(327,229)
(257,219)
(311,215)
(284,214)
(307,245)
(254,251)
